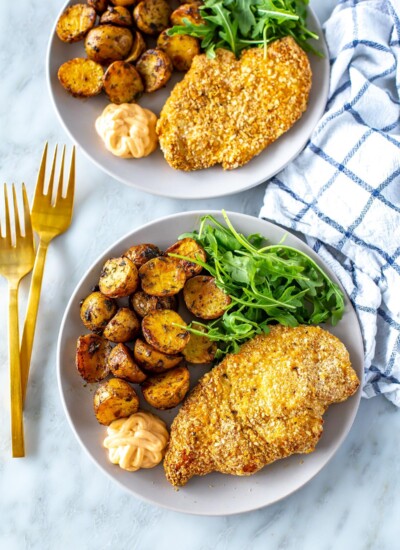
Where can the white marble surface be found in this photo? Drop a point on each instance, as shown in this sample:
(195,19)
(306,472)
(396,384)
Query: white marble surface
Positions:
(55,498)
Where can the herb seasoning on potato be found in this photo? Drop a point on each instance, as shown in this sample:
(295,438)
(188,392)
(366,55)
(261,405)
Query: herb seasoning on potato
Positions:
(166,331)
(122,365)
(168,389)
(97,310)
(123,327)
(153,360)
(119,277)
(92,353)
(162,277)
(113,399)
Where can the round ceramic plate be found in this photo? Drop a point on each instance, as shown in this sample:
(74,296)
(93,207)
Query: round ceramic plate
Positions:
(153,174)
(214,494)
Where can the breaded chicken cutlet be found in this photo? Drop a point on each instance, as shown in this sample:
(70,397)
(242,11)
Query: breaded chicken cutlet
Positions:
(227,110)
(259,405)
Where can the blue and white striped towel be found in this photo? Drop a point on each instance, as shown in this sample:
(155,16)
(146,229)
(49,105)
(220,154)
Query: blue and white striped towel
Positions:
(343,191)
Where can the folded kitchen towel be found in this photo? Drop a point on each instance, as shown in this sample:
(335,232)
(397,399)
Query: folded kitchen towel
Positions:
(343,191)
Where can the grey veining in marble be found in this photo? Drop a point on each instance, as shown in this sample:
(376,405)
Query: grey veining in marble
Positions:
(56,498)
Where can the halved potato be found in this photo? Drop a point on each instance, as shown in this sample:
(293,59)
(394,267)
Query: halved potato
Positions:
(152,16)
(155,67)
(138,47)
(143,303)
(152,360)
(180,48)
(123,327)
(159,331)
(98,5)
(142,253)
(122,365)
(91,359)
(189,11)
(168,389)
(119,277)
(117,15)
(162,277)
(203,298)
(122,83)
(81,77)
(190,248)
(200,349)
(75,22)
(97,310)
(114,399)
(108,43)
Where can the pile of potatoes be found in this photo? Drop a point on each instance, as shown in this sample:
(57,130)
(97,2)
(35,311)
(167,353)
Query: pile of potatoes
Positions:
(118,59)
(137,336)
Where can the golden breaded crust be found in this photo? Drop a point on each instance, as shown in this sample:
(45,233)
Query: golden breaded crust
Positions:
(259,405)
(226,111)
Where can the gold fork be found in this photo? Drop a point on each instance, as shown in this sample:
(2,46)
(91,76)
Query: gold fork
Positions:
(48,220)
(16,261)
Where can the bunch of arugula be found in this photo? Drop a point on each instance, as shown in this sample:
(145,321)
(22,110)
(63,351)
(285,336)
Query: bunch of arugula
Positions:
(239,24)
(268,284)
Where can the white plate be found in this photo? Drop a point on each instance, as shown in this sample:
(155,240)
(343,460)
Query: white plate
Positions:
(153,174)
(215,494)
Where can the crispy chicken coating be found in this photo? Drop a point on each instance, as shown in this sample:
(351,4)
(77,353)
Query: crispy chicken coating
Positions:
(259,405)
(226,111)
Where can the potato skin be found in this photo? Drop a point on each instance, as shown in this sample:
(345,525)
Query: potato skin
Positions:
(162,276)
(122,365)
(91,358)
(159,331)
(188,11)
(81,77)
(98,5)
(180,48)
(117,15)
(122,83)
(123,327)
(75,22)
(190,248)
(152,360)
(155,68)
(200,349)
(139,254)
(97,310)
(143,303)
(138,47)
(152,16)
(168,389)
(114,399)
(108,43)
(119,277)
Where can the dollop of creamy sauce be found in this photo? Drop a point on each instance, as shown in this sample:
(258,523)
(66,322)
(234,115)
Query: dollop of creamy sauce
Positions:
(138,441)
(128,130)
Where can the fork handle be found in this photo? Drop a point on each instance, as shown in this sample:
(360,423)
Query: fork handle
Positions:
(17,426)
(31,315)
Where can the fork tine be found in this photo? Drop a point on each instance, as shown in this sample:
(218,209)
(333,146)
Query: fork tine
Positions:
(69,198)
(61,178)
(7,215)
(27,215)
(49,194)
(42,170)
(16,216)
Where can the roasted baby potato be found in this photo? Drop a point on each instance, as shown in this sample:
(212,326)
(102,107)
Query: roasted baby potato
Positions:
(114,399)
(122,83)
(138,47)
(97,310)
(142,253)
(152,360)
(155,68)
(203,298)
(190,248)
(92,353)
(159,331)
(200,349)
(143,303)
(108,43)
(124,2)
(81,77)
(122,365)
(168,389)
(180,48)
(123,327)
(119,277)
(189,11)
(117,15)
(98,5)
(152,16)
(162,276)
(75,22)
